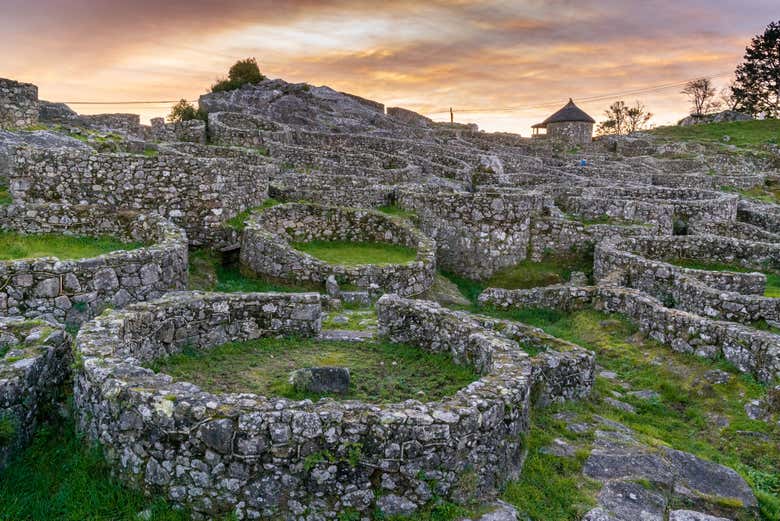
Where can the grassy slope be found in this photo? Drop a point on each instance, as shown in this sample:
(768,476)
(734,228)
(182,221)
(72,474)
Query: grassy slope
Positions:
(686,416)
(743,134)
(355,253)
(380,371)
(17,246)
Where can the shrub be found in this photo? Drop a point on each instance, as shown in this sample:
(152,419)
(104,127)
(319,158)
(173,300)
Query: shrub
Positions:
(185,111)
(242,72)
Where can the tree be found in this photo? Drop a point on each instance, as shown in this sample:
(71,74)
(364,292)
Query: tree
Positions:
(757,84)
(185,111)
(728,98)
(637,117)
(701,94)
(242,72)
(623,119)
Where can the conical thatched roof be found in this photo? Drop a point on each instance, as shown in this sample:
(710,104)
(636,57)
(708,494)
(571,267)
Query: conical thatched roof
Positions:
(569,112)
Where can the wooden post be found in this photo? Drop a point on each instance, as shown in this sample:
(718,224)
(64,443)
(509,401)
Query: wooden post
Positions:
(452,116)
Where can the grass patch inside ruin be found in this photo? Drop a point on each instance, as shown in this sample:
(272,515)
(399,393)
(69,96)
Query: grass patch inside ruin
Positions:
(208,271)
(690,413)
(5,194)
(347,253)
(18,246)
(380,371)
(772,279)
(530,274)
(239,221)
(392,209)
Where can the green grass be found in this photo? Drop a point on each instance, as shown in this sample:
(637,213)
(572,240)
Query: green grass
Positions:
(392,209)
(772,279)
(357,319)
(743,134)
(5,194)
(17,246)
(551,488)
(60,477)
(239,221)
(207,272)
(468,287)
(529,274)
(357,253)
(768,193)
(380,371)
(683,417)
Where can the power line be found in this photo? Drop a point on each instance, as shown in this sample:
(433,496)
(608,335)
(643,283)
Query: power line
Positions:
(124,102)
(589,99)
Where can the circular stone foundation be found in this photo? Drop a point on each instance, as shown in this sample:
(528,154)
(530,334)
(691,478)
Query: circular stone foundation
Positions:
(76,290)
(35,358)
(273,457)
(267,248)
(704,274)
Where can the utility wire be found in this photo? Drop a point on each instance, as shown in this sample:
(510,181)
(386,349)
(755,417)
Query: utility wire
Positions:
(124,102)
(588,99)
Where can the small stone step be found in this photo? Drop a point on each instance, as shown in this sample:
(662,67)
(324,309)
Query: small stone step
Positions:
(346,335)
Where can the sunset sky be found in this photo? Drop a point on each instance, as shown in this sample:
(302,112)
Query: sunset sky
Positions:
(503,65)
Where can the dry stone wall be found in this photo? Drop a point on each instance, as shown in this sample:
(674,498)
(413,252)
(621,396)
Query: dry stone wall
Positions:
(687,203)
(258,456)
(18,104)
(193,131)
(564,237)
(351,191)
(751,350)
(35,358)
(478,233)
(199,194)
(266,248)
(76,290)
(640,263)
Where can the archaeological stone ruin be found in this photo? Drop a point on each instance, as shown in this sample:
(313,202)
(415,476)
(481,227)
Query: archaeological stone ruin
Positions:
(661,233)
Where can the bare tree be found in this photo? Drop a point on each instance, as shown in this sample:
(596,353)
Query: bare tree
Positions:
(728,98)
(623,119)
(637,117)
(701,94)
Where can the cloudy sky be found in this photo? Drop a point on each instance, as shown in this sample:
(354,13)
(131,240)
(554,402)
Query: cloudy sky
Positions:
(501,64)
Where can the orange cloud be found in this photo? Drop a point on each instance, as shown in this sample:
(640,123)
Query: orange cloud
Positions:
(491,56)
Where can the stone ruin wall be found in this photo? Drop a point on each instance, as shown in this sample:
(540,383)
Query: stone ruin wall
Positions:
(193,131)
(564,237)
(76,290)
(575,132)
(761,215)
(197,193)
(251,451)
(350,191)
(18,104)
(478,233)
(266,248)
(687,203)
(736,230)
(640,263)
(32,374)
(750,350)
(640,212)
